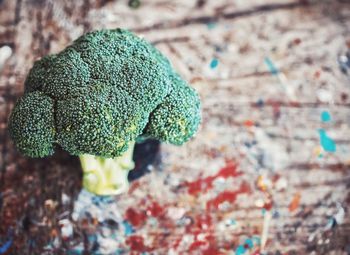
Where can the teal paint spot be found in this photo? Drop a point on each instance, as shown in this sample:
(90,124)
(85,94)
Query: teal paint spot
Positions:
(256,240)
(271,66)
(326,142)
(76,251)
(211,25)
(240,250)
(128,230)
(249,242)
(325,116)
(214,63)
(232,222)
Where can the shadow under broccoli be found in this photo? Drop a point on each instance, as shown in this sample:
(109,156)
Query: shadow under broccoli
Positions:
(96,98)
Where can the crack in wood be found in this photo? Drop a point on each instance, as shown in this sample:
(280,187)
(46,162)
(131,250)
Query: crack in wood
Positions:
(232,15)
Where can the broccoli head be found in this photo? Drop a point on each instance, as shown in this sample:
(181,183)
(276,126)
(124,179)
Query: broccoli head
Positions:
(102,93)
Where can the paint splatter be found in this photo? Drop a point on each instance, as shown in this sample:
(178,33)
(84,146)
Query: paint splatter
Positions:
(294,204)
(326,142)
(214,63)
(155,209)
(228,196)
(240,250)
(248,245)
(325,116)
(248,123)
(211,251)
(204,184)
(135,218)
(128,230)
(260,103)
(211,25)
(137,244)
(271,66)
(4,248)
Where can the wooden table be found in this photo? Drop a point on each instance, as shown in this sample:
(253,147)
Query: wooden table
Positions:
(255,179)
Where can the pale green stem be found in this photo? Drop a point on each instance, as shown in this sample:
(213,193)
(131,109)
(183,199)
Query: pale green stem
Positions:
(107,176)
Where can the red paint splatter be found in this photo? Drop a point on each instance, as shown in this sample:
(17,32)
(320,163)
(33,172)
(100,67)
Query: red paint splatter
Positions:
(203,184)
(208,246)
(317,74)
(229,196)
(230,170)
(196,245)
(211,251)
(177,242)
(203,221)
(155,209)
(134,217)
(268,205)
(248,123)
(136,243)
(134,186)
(257,252)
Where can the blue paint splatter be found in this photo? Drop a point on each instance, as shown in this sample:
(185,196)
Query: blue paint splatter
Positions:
(214,63)
(240,250)
(128,230)
(271,66)
(5,246)
(275,214)
(325,116)
(326,142)
(260,103)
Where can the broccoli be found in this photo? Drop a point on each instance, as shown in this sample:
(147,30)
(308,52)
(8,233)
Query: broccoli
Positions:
(96,98)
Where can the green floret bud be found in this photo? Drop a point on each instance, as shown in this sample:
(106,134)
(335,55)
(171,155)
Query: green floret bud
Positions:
(177,118)
(31,125)
(60,76)
(36,77)
(145,80)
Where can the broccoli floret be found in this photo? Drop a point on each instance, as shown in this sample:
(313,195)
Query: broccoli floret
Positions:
(177,118)
(32,126)
(59,76)
(100,95)
(99,123)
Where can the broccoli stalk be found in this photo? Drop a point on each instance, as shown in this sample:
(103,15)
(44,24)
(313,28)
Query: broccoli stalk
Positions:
(107,176)
(97,97)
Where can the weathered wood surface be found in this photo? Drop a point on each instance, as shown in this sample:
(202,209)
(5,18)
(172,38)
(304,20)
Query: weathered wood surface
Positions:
(268,128)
